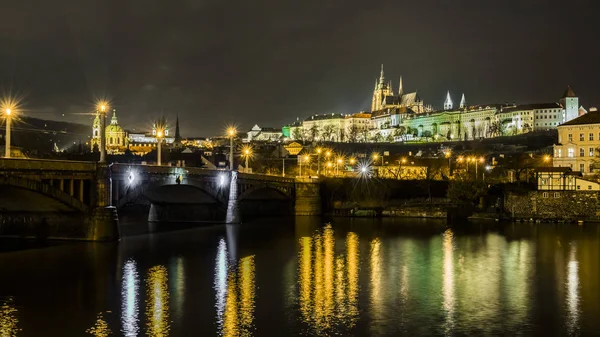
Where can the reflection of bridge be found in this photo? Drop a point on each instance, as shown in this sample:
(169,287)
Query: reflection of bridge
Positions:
(80,199)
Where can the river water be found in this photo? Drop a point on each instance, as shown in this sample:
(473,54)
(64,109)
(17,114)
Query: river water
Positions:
(304,277)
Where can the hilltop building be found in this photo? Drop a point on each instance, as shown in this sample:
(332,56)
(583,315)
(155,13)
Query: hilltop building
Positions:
(384,97)
(258,133)
(116,137)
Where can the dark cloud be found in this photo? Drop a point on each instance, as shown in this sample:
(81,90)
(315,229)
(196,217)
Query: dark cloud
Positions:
(268,62)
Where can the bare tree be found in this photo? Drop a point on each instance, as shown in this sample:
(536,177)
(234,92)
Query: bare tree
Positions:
(328,132)
(352,133)
(314,132)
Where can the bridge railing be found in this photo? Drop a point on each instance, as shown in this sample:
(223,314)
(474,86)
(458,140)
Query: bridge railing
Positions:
(22,164)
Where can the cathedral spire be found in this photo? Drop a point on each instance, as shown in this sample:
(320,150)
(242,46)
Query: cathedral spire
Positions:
(400,90)
(177,135)
(448,103)
(463,102)
(381,77)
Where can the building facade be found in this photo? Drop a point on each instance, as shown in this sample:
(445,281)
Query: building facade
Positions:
(116,137)
(578,143)
(258,133)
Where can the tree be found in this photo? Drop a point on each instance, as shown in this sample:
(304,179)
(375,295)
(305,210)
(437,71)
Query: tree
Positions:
(364,135)
(426,134)
(497,128)
(352,133)
(297,134)
(464,190)
(328,132)
(389,138)
(377,137)
(400,132)
(313,132)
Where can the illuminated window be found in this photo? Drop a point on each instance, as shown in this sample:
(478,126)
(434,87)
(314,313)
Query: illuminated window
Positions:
(582,152)
(570,137)
(582,167)
(571,153)
(559,153)
(591,151)
(581,138)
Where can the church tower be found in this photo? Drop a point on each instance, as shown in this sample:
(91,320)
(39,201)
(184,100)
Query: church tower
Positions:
(400,90)
(381,91)
(570,102)
(95,132)
(448,103)
(177,135)
(463,102)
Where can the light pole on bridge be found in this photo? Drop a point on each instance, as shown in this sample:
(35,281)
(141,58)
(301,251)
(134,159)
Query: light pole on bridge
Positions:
(8,116)
(103,133)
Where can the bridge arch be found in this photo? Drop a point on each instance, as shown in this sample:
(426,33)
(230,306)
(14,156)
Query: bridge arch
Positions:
(46,190)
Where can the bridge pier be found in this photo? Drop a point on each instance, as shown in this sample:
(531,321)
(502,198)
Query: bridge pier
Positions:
(308,196)
(103,224)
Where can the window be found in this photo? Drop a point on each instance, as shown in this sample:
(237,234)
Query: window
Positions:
(581,167)
(556,195)
(581,138)
(589,187)
(571,153)
(545,195)
(570,137)
(591,136)
(591,152)
(559,153)
(582,152)
(578,187)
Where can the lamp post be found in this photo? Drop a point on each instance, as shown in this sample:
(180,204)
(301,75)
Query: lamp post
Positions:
(231,132)
(319,150)
(103,133)
(448,155)
(159,135)
(247,153)
(306,162)
(338,162)
(8,116)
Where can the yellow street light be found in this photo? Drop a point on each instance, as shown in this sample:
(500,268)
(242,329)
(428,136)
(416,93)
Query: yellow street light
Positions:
(328,154)
(546,158)
(231,131)
(352,161)
(481,159)
(8,111)
(403,160)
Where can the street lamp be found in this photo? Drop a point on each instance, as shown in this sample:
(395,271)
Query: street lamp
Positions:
(339,162)
(159,135)
(319,150)
(231,131)
(247,152)
(376,157)
(102,107)
(8,116)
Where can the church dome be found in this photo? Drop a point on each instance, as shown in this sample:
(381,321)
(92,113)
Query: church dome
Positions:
(113,128)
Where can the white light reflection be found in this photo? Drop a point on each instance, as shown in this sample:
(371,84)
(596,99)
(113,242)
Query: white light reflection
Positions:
(130,287)
(573,292)
(448,277)
(220,283)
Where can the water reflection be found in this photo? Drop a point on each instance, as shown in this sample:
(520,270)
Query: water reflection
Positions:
(448,281)
(100,328)
(328,284)
(572,291)
(235,294)
(129,299)
(8,319)
(157,302)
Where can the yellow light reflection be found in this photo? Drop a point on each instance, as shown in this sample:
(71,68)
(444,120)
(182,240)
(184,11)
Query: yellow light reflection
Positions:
(238,317)
(247,293)
(157,305)
(448,279)
(327,284)
(129,299)
(100,328)
(375,263)
(573,292)
(8,319)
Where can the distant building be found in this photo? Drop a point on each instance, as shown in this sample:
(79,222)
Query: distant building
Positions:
(563,179)
(325,127)
(116,137)
(578,141)
(384,97)
(258,133)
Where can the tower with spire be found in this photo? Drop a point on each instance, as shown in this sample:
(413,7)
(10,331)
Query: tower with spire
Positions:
(177,135)
(382,90)
(570,102)
(463,102)
(384,97)
(448,103)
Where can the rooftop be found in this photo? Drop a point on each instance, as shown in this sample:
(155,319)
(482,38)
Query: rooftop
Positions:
(592,117)
(534,106)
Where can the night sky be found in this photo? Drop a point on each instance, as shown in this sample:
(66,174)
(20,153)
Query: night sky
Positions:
(244,62)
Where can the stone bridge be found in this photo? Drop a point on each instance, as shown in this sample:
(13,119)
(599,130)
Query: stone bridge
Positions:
(68,199)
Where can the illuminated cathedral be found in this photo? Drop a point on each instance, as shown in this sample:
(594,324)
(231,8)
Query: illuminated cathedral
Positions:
(385,98)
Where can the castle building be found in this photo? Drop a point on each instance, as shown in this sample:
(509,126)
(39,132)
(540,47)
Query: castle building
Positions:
(258,133)
(116,137)
(384,97)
